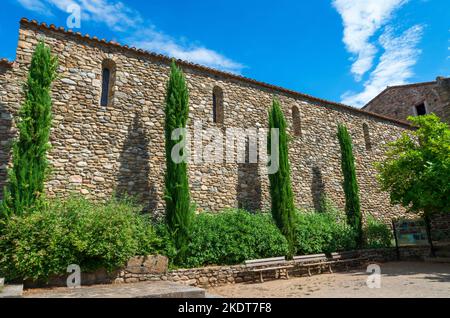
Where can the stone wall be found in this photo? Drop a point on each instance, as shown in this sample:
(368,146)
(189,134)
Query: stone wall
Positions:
(98,151)
(399,101)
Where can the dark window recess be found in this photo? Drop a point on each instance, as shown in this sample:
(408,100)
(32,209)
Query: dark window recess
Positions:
(421,110)
(106,76)
(218,111)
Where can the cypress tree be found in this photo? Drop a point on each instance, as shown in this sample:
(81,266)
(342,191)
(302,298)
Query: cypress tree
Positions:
(280,182)
(178,210)
(25,189)
(350,184)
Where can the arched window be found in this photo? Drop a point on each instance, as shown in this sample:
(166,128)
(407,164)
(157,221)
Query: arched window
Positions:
(108,77)
(296,121)
(367,137)
(218,112)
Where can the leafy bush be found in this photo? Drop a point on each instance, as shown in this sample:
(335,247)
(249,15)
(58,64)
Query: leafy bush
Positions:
(75,231)
(233,236)
(324,232)
(377,234)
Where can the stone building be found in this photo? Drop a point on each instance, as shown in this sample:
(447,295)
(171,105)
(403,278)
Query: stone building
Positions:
(108,136)
(414,100)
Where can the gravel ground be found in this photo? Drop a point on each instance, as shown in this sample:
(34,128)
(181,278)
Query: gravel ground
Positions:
(398,280)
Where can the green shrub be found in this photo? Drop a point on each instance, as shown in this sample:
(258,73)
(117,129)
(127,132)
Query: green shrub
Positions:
(324,232)
(350,183)
(75,231)
(233,236)
(377,234)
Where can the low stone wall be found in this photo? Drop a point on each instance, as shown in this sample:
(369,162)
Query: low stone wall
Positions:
(220,275)
(223,275)
(203,277)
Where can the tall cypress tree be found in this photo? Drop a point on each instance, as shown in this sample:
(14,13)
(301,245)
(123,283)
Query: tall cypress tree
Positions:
(178,210)
(350,184)
(25,187)
(280,182)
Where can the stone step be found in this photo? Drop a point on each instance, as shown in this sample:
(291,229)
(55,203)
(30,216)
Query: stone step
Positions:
(157,289)
(11,291)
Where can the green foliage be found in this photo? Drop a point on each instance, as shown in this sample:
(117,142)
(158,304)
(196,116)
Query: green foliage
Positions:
(377,234)
(324,232)
(25,187)
(232,237)
(416,171)
(350,184)
(179,212)
(280,182)
(93,235)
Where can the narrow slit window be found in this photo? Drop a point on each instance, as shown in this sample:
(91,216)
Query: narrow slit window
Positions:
(108,82)
(218,111)
(367,140)
(296,121)
(106,79)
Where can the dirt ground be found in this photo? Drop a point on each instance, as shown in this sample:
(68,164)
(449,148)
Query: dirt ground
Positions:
(398,280)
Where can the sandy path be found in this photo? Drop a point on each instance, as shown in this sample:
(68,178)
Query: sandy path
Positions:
(399,279)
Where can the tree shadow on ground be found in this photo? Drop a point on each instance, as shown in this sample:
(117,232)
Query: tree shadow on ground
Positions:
(435,272)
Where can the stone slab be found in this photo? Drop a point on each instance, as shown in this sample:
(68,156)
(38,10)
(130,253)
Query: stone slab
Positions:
(2,282)
(11,291)
(155,289)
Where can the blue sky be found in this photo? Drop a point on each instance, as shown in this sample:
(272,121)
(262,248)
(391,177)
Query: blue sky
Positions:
(341,50)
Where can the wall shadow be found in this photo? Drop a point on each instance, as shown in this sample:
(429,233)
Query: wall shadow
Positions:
(6,138)
(249,187)
(317,188)
(133,178)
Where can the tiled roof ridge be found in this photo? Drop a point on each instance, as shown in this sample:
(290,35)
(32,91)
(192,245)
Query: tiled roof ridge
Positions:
(398,86)
(6,62)
(167,59)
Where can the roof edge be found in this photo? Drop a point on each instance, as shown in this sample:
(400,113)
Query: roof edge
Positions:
(6,62)
(166,59)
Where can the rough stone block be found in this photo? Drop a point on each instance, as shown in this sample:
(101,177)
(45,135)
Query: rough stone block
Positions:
(151,264)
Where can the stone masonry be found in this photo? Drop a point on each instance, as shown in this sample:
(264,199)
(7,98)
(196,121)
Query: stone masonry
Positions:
(100,150)
(400,101)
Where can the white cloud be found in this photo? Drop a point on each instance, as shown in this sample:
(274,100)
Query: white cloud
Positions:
(362,19)
(395,66)
(121,18)
(161,43)
(34,5)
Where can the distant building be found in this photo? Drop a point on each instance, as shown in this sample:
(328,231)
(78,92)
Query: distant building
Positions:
(414,100)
